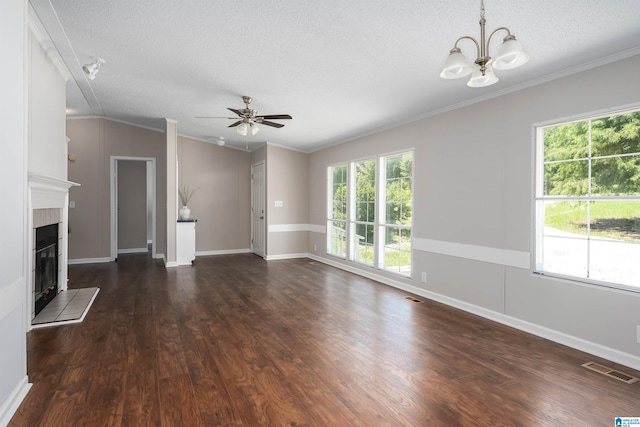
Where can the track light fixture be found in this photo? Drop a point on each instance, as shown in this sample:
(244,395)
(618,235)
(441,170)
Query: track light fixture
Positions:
(510,55)
(92,68)
(220,141)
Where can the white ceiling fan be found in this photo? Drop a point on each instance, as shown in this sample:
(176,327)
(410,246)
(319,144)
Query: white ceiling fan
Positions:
(249,118)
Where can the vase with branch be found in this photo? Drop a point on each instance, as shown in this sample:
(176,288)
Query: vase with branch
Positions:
(185,194)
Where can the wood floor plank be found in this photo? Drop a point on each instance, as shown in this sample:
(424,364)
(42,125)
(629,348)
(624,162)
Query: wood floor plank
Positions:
(238,341)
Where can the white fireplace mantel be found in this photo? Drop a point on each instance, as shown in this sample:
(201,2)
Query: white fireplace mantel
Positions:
(48,192)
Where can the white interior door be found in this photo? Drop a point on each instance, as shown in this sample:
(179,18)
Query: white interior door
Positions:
(258,209)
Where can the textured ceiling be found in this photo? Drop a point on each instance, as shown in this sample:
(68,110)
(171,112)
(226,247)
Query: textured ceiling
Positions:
(341,68)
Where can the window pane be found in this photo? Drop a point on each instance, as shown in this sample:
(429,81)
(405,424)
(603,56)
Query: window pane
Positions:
(399,213)
(337,241)
(340,201)
(566,178)
(365,211)
(615,242)
(616,176)
(564,247)
(365,180)
(399,190)
(564,142)
(618,134)
(397,249)
(363,247)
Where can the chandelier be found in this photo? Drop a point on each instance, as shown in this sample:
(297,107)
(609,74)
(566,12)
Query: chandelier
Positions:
(510,55)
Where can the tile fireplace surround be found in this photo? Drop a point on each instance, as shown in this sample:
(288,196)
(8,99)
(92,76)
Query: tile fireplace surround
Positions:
(48,204)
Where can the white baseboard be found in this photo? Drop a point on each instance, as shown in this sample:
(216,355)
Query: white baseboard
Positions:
(285,256)
(158,256)
(133,251)
(11,405)
(599,350)
(89,260)
(223,252)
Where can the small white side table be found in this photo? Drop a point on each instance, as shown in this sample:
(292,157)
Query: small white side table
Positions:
(186,241)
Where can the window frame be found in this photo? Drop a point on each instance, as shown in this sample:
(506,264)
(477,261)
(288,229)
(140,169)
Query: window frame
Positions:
(330,209)
(539,197)
(381,218)
(353,211)
(351,222)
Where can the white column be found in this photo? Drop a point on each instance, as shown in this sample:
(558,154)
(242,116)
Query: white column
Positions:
(172,192)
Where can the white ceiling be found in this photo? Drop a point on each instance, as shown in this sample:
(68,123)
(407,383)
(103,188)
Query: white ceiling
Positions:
(341,68)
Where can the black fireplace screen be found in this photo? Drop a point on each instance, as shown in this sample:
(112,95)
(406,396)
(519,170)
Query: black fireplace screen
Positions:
(46,265)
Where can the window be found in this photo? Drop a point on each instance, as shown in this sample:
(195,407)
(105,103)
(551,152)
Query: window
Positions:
(395,213)
(588,200)
(337,210)
(363,199)
(379,196)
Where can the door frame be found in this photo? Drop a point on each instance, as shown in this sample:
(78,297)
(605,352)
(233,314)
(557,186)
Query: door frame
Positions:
(113,211)
(264,202)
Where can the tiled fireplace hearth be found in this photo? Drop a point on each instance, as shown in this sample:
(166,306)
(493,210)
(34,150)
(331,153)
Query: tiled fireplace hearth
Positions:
(48,201)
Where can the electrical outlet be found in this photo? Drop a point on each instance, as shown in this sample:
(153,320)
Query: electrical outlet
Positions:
(315,247)
(638,334)
(424,277)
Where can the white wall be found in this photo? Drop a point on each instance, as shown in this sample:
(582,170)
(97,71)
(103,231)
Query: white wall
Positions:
(13,358)
(472,211)
(47,124)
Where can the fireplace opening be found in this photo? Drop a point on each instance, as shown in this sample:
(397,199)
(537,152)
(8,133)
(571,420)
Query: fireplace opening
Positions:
(46,266)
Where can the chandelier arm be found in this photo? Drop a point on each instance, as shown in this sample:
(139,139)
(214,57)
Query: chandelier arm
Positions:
(455,46)
(495,31)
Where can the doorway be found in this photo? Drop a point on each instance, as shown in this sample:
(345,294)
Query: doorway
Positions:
(258,209)
(133,205)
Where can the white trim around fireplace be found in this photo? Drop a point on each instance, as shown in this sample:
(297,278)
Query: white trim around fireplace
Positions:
(47,192)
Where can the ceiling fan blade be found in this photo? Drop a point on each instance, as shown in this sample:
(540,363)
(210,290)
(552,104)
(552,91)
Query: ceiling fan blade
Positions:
(235,124)
(238,112)
(275,125)
(216,117)
(277,116)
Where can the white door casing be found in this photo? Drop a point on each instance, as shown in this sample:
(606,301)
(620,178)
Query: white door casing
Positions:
(151,162)
(258,214)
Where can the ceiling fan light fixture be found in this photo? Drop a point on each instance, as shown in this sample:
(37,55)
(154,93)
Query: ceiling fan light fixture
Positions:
(254,129)
(243,129)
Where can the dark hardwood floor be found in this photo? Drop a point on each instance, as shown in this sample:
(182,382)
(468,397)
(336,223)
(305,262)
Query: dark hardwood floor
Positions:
(237,341)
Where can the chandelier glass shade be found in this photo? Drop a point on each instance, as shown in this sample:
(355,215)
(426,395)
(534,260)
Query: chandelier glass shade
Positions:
(245,127)
(510,55)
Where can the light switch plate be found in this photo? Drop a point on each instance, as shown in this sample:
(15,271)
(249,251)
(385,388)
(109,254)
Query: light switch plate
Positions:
(72,204)
(279,204)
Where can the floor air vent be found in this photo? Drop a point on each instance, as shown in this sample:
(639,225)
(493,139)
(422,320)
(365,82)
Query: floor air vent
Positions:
(412,299)
(610,372)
